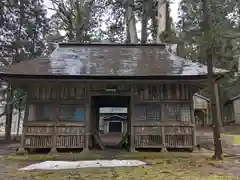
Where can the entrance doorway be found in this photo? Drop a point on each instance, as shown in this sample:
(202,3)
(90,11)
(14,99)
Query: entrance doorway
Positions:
(109,120)
(115,126)
(200,117)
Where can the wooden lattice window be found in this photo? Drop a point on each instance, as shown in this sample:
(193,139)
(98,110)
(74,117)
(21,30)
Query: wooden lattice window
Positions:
(148,112)
(42,111)
(185,112)
(71,112)
(140,112)
(171,112)
(177,112)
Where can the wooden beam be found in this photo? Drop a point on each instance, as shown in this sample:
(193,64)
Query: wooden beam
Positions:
(83,82)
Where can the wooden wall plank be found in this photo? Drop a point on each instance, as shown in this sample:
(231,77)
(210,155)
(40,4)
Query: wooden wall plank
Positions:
(57,92)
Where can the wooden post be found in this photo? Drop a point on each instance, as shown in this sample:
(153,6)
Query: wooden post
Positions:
(206,116)
(54,135)
(164,149)
(194,133)
(209,114)
(91,122)
(88,118)
(130,124)
(21,150)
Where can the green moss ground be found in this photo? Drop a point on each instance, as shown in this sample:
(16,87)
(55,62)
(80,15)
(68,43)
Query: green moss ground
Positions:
(164,166)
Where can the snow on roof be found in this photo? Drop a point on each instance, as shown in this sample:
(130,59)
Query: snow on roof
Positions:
(134,60)
(188,67)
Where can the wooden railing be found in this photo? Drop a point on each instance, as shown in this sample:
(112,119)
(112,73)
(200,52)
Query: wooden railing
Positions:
(70,136)
(66,136)
(161,135)
(74,136)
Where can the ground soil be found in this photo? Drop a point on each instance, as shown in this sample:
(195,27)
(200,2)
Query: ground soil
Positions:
(166,166)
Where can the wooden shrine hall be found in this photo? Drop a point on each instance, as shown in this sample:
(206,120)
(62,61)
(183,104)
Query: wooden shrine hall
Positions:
(65,90)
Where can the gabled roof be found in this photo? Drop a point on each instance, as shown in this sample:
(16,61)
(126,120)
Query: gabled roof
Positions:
(202,97)
(136,60)
(235,97)
(115,115)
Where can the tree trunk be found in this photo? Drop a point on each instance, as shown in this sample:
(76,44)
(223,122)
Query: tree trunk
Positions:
(88,8)
(79,22)
(82,23)
(154,20)
(162,4)
(131,22)
(219,107)
(168,25)
(209,52)
(19,119)
(9,112)
(144,22)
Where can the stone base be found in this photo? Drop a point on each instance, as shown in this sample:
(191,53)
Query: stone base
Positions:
(195,150)
(131,149)
(21,151)
(53,151)
(164,150)
(85,150)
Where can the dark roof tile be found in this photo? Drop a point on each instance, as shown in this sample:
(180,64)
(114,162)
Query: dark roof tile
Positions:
(108,60)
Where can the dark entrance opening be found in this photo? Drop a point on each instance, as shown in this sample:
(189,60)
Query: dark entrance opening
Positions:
(199,115)
(115,127)
(109,126)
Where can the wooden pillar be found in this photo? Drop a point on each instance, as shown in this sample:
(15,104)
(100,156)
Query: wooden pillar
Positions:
(88,118)
(164,148)
(194,133)
(210,114)
(90,124)
(54,134)
(21,150)
(207,115)
(131,122)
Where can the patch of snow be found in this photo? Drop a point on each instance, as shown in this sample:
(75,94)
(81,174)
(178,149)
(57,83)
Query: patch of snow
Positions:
(68,61)
(75,61)
(58,165)
(187,67)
